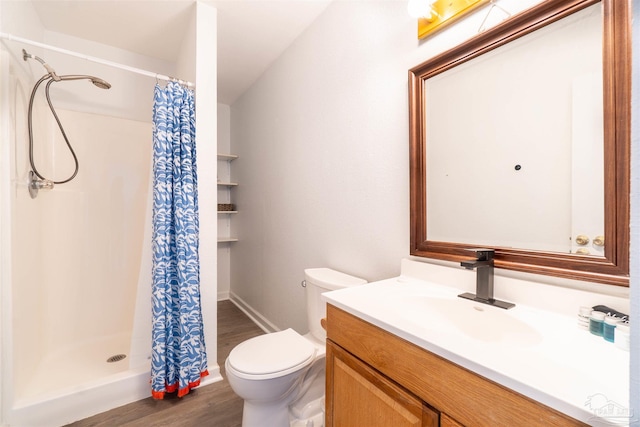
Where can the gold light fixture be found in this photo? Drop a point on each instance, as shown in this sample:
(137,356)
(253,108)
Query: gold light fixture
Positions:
(420,8)
(433,15)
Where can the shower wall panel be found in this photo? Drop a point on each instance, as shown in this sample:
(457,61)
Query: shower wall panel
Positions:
(94,229)
(26,231)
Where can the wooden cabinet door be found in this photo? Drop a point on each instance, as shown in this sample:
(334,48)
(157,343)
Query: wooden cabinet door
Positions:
(358,396)
(447,421)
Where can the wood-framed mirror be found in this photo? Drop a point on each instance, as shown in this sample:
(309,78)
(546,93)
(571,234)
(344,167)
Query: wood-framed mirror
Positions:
(437,111)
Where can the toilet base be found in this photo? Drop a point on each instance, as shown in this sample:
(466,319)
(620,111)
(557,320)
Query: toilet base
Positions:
(312,415)
(254,415)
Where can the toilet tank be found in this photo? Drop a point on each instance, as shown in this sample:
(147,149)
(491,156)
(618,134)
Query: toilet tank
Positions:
(318,281)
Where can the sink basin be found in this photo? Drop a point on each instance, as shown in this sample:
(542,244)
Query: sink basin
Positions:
(478,321)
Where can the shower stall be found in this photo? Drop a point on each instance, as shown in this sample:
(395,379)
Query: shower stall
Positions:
(75,272)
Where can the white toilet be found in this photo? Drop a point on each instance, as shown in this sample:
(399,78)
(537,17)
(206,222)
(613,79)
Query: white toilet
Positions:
(280,375)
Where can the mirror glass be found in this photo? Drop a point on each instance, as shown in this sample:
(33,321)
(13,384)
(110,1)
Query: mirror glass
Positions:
(520,140)
(514,153)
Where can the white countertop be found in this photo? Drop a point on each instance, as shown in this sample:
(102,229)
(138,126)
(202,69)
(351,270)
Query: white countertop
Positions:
(541,354)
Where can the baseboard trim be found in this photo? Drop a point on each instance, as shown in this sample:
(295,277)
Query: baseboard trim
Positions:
(253,314)
(213,377)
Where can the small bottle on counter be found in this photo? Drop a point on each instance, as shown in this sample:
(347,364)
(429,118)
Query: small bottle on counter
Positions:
(583,317)
(621,338)
(596,323)
(609,327)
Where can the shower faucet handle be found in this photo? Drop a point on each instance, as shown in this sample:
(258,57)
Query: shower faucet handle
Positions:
(35,184)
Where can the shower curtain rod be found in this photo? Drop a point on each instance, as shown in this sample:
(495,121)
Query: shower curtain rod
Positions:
(11,37)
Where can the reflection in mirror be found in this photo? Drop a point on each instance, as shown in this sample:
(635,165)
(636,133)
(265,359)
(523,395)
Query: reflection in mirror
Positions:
(520,142)
(515,141)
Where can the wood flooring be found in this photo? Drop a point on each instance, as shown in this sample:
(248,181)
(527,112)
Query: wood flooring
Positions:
(214,405)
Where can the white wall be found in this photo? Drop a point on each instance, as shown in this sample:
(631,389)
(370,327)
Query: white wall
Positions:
(323,145)
(206,134)
(130,96)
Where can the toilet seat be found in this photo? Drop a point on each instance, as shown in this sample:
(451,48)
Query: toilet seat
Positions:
(271,355)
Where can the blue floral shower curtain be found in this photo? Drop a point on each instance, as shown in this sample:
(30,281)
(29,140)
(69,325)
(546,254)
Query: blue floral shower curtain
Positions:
(178,359)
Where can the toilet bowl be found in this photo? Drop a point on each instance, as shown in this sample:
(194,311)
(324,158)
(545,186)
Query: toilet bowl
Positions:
(281,375)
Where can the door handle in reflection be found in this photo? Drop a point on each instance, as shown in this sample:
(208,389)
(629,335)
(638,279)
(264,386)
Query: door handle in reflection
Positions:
(582,240)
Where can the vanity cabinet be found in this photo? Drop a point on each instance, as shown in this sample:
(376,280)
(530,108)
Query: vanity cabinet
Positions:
(375,378)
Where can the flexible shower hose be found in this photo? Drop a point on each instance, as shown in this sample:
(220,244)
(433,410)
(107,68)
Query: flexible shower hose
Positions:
(55,115)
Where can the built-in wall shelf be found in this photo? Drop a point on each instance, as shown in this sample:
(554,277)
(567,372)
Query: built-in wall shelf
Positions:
(227,239)
(224,196)
(227,157)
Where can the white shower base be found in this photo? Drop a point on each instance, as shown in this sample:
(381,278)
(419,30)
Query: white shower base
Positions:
(81,401)
(78,364)
(77,382)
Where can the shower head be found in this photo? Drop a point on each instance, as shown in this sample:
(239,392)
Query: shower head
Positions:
(98,82)
(52,74)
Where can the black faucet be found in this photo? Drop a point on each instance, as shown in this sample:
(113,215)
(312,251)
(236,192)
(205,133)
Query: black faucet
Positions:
(483,264)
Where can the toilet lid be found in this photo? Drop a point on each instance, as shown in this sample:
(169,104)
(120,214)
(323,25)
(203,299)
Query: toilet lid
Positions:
(272,353)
